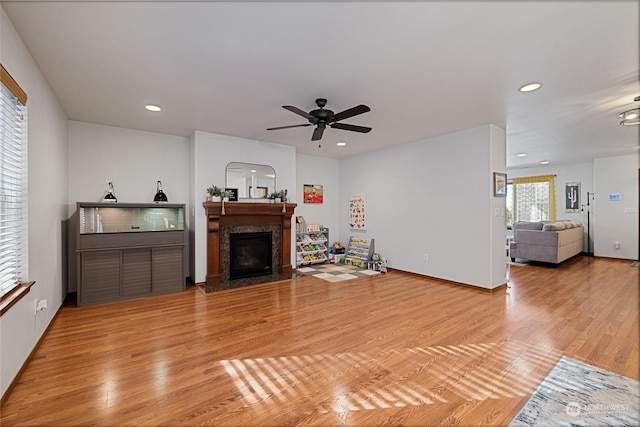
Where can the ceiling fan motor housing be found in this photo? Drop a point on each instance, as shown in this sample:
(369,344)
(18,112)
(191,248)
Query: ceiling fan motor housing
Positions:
(322,117)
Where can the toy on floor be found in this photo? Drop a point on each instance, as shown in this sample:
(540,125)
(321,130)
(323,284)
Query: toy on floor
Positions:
(377,263)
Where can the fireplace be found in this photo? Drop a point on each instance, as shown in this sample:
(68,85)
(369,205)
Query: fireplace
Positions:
(249,255)
(227,219)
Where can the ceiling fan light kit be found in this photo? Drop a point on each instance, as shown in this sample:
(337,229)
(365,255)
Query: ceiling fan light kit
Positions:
(321,117)
(631,117)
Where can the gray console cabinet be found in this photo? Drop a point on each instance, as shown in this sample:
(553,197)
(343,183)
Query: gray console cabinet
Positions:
(129,250)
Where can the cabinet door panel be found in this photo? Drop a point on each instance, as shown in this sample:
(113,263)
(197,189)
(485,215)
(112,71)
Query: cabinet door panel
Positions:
(136,272)
(100,277)
(167,269)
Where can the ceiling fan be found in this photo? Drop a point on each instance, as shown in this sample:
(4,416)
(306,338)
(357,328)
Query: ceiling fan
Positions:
(322,117)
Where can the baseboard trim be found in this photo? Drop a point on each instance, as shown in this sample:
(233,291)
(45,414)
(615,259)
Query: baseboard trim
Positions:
(16,379)
(452,282)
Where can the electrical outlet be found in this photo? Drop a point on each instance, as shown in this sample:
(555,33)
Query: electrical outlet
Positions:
(41,305)
(426,257)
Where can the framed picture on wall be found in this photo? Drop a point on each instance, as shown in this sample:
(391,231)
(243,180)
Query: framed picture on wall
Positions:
(499,184)
(313,193)
(358,213)
(572,197)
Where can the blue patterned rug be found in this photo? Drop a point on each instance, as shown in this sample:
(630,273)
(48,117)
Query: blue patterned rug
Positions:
(576,394)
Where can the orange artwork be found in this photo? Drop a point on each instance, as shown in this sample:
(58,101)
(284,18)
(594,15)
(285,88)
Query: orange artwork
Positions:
(312,193)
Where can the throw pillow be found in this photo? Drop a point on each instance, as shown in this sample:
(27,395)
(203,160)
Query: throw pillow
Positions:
(554,226)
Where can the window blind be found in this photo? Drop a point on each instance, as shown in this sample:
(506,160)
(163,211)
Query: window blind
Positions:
(13,191)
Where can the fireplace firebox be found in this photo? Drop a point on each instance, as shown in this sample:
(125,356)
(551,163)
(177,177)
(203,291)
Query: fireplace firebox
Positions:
(250,254)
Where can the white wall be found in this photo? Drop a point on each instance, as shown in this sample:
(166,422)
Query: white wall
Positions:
(616,220)
(326,172)
(133,160)
(20,327)
(209,156)
(576,172)
(433,197)
(497,221)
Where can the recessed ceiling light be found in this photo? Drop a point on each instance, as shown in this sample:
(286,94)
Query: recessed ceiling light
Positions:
(545,162)
(341,144)
(253,171)
(530,87)
(521,155)
(151,107)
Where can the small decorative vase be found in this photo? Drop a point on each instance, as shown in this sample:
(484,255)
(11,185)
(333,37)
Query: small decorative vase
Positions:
(226,199)
(277,200)
(216,198)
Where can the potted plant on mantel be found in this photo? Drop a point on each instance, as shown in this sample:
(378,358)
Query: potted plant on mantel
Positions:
(274,197)
(278,196)
(215,193)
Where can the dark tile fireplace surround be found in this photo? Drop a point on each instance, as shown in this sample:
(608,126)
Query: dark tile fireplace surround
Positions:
(233,218)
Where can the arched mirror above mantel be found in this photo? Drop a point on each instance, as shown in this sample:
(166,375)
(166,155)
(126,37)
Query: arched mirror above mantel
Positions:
(253,181)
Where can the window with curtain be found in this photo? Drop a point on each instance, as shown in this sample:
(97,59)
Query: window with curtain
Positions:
(531,199)
(13,185)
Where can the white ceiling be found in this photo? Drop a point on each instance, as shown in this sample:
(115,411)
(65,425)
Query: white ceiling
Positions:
(425,69)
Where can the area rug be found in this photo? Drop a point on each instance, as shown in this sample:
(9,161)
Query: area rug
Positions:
(335,272)
(577,394)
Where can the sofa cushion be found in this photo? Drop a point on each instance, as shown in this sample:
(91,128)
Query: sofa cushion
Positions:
(554,226)
(524,225)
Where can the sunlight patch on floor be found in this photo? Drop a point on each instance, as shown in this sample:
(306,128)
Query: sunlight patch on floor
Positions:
(397,378)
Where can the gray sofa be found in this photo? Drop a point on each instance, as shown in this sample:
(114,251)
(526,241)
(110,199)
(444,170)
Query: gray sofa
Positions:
(546,241)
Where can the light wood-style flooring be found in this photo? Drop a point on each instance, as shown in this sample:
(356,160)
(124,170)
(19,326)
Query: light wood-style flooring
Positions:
(394,349)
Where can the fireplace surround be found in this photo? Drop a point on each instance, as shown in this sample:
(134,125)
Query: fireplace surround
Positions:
(227,218)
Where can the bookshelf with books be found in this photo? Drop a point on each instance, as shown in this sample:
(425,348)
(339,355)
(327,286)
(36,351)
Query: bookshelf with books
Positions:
(311,243)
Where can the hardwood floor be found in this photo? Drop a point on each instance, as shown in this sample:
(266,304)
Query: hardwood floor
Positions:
(395,349)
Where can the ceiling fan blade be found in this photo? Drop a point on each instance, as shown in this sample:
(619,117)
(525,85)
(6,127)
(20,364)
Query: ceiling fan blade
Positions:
(358,109)
(317,134)
(298,112)
(290,126)
(353,128)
